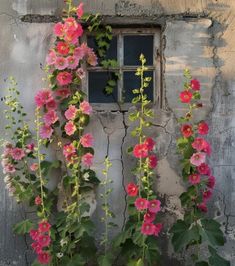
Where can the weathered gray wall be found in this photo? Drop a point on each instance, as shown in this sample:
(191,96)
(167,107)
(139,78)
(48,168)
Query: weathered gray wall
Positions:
(195,34)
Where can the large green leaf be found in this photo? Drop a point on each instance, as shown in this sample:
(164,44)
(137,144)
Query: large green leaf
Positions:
(23,227)
(211,231)
(215,259)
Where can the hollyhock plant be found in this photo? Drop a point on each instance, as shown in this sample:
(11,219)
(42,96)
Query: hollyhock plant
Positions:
(199,144)
(61,63)
(203,128)
(152,161)
(34,234)
(140,151)
(51,58)
(187,130)
(63,93)
(44,257)
(59,29)
(211,182)
(194,179)
(149,217)
(46,132)
(186,96)
(202,206)
(71,112)
(44,240)
(198,158)
(79,52)
(72,62)
(44,227)
(85,107)
(150,143)
(87,159)
(34,167)
(195,84)
(69,149)
(50,117)
(132,190)
(158,228)
(87,140)
(154,206)
(141,204)
(38,201)
(206,195)
(51,105)
(204,169)
(42,97)
(64,78)
(70,128)
(148,228)
(80,73)
(17,154)
(79,10)
(62,48)
(37,248)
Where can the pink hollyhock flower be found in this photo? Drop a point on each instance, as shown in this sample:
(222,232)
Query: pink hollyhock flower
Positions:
(198,158)
(44,227)
(154,206)
(34,234)
(206,195)
(149,217)
(50,117)
(69,149)
(46,132)
(141,204)
(70,128)
(17,154)
(34,167)
(92,58)
(70,24)
(44,240)
(87,140)
(195,84)
(152,161)
(62,48)
(202,207)
(80,73)
(203,128)
(186,130)
(59,29)
(51,58)
(79,10)
(64,78)
(51,105)
(132,190)
(211,182)
(85,108)
(140,151)
(61,63)
(186,96)
(87,159)
(37,248)
(158,228)
(63,93)
(72,158)
(79,52)
(44,257)
(149,142)
(198,144)
(207,148)
(30,147)
(38,201)
(72,62)
(9,168)
(204,169)
(194,179)
(71,112)
(42,97)
(148,229)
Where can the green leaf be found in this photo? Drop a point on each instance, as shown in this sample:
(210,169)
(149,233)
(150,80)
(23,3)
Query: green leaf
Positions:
(182,142)
(47,166)
(202,263)
(138,262)
(215,259)
(77,260)
(211,231)
(23,227)
(105,260)
(122,237)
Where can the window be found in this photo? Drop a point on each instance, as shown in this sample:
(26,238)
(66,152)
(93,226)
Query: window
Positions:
(126,47)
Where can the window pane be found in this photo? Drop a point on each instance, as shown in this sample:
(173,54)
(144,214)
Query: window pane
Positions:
(131,81)
(112,51)
(134,46)
(97,83)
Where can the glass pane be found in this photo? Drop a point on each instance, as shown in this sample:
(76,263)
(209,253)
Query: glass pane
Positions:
(134,46)
(112,51)
(131,81)
(97,83)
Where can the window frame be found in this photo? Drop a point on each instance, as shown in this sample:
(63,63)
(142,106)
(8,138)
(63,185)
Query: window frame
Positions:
(156,68)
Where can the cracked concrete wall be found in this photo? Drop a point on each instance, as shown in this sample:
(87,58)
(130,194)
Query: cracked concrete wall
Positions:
(195,34)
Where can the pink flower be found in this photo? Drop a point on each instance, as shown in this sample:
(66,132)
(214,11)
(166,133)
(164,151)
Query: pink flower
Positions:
(69,149)
(72,62)
(70,24)
(50,117)
(46,132)
(195,84)
(9,168)
(79,10)
(202,206)
(148,229)
(154,206)
(186,130)
(30,147)
(87,159)
(44,240)
(194,179)
(198,158)
(207,148)
(158,228)
(37,248)
(70,128)
(132,190)
(211,182)
(71,112)
(149,142)
(149,217)
(51,58)
(140,151)
(203,128)
(64,78)
(141,204)
(38,201)
(80,73)
(72,158)
(44,257)
(61,63)
(79,52)
(204,169)
(62,48)
(59,29)
(44,227)
(34,167)
(34,234)
(186,96)
(152,161)
(42,97)
(51,105)
(87,140)
(63,93)
(85,108)
(198,144)
(207,195)
(17,154)
(92,58)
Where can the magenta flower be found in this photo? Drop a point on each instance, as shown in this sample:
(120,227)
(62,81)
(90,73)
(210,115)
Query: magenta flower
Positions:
(79,10)
(63,93)
(148,229)
(87,140)
(85,108)
(37,248)
(207,195)
(44,227)
(34,234)
(50,117)
(9,169)
(194,179)
(44,257)
(61,63)
(141,204)
(70,128)
(64,78)
(198,144)
(132,190)
(87,159)
(79,52)
(154,206)
(17,154)
(149,217)
(72,62)
(62,48)
(51,105)
(198,158)
(202,207)
(158,228)
(195,84)
(45,132)
(204,169)
(42,97)
(51,58)
(71,112)
(211,182)
(69,149)
(203,128)
(44,240)
(152,161)
(150,143)
(59,29)
(34,167)
(140,151)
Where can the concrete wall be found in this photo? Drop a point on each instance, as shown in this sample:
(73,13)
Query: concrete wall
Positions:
(194,34)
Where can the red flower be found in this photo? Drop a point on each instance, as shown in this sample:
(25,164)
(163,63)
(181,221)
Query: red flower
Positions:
(149,217)
(62,48)
(51,105)
(202,206)
(140,151)
(211,182)
(186,96)
(154,206)
(148,229)
(44,227)
(194,179)
(34,234)
(44,257)
(195,85)
(64,78)
(87,159)
(207,195)
(187,130)
(198,144)
(38,200)
(203,128)
(36,247)
(152,161)
(44,240)
(141,204)
(204,169)
(158,228)
(149,142)
(132,189)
